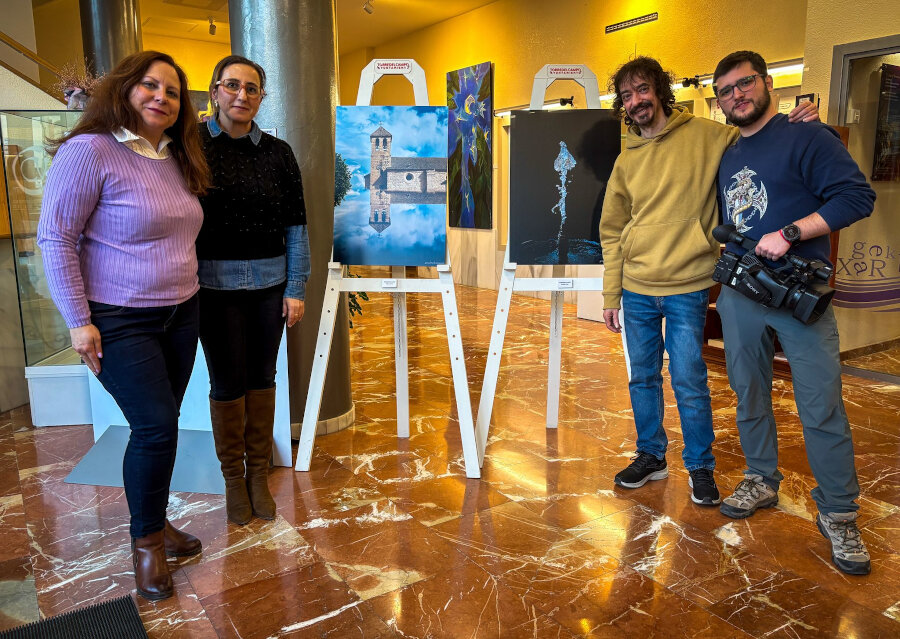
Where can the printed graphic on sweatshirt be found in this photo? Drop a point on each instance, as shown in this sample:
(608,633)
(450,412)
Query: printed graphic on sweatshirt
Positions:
(745,202)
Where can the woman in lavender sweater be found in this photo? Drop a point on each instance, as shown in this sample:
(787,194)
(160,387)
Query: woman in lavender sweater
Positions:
(118,223)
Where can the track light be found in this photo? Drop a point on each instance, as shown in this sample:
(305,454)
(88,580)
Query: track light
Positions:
(212,26)
(691,82)
(567,101)
(368,8)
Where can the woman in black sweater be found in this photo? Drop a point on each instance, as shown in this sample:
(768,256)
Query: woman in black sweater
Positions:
(253,254)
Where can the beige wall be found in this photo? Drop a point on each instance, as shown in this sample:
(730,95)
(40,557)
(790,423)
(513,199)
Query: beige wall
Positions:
(831,22)
(869,249)
(17,21)
(828,23)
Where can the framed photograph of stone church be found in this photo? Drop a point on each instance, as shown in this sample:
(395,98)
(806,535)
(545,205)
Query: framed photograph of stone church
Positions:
(470,160)
(395,211)
(560,162)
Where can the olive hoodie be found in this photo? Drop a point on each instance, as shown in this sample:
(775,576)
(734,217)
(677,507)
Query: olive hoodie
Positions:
(660,209)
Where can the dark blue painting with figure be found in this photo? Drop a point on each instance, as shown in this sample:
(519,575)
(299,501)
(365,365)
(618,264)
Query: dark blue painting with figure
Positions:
(560,162)
(470,165)
(395,211)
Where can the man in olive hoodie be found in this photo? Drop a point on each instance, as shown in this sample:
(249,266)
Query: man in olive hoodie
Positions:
(656,232)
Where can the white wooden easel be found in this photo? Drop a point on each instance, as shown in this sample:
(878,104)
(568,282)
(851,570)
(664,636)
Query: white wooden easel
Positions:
(398,286)
(556,285)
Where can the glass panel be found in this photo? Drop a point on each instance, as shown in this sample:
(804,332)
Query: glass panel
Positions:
(25,163)
(867,275)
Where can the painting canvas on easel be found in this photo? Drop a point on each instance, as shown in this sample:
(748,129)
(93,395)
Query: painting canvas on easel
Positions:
(560,163)
(470,100)
(395,211)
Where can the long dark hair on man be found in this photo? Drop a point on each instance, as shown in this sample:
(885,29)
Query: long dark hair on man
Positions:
(649,70)
(109,109)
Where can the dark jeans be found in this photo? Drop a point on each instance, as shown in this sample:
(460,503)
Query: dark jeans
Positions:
(148,355)
(240,332)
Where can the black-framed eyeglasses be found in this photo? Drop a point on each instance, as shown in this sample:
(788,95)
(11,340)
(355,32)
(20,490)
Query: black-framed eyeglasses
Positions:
(234,87)
(744,84)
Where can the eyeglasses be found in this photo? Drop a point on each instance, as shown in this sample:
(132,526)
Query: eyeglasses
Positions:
(234,87)
(744,84)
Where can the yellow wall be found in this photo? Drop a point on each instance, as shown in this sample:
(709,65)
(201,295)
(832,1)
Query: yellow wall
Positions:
(348,83)
(197,58)
(520,36)
(829,23)
(57,31)
(57,26)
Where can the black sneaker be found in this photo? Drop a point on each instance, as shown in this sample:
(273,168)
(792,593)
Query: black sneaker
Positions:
(643,468)
(703,487)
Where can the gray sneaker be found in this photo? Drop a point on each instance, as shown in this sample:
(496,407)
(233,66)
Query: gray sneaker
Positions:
(848,552)
(749,495)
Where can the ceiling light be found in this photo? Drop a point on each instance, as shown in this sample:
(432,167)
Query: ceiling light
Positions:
(368,8)
(212,26)
(796,67)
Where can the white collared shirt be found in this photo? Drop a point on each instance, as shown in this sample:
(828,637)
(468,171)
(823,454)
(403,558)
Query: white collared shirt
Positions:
(142,146)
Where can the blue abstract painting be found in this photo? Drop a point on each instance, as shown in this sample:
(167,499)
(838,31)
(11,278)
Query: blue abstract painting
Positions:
(470,165)
(395,211)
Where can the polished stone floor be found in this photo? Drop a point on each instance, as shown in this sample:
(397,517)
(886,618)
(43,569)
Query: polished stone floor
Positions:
(886,361)
(387,538)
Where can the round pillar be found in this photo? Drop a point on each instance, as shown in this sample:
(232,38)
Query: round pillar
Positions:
(110,30)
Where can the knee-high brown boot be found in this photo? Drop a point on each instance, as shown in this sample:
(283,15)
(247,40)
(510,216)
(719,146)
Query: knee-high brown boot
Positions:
(228,433)
(258,443)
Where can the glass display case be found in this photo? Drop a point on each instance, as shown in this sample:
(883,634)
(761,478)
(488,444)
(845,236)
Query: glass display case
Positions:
(25,162)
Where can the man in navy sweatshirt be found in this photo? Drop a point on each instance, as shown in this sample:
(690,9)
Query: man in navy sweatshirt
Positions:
(788,187)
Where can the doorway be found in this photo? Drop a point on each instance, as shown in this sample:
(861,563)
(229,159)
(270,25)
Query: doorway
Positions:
(865,97)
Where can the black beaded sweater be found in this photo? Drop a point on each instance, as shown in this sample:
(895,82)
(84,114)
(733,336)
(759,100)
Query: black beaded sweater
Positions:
(256,193)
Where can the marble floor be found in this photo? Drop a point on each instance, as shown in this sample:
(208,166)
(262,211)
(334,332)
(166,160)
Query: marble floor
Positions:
(886,361)
(387,538)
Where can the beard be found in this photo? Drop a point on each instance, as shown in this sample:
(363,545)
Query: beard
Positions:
(754,114)
(645,116)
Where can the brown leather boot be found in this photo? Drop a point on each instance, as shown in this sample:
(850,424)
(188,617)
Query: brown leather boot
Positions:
(258,443)
(228,433)
(179,543)
(151,572)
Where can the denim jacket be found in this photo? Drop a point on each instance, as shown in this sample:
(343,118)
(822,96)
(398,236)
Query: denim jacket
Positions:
(262,273)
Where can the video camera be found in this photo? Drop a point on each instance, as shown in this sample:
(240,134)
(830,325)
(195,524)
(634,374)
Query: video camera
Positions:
(802,289)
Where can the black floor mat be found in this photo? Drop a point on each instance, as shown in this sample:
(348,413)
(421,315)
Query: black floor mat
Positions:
(113,619)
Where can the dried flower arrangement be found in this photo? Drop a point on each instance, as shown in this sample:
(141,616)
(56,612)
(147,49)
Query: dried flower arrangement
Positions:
(76,84)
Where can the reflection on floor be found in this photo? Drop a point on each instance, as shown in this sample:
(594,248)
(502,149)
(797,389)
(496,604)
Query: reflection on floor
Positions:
(886,361)
(386,538)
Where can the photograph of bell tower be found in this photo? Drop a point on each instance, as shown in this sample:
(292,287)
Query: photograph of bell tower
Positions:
(407,180)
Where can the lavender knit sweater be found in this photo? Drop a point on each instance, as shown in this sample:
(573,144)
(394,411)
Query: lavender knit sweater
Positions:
(116,228)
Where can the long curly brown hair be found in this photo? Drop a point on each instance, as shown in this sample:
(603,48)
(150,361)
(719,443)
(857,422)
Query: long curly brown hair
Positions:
(647,69)
(109,109)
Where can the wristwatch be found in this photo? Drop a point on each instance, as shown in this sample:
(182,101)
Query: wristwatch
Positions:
(790,234)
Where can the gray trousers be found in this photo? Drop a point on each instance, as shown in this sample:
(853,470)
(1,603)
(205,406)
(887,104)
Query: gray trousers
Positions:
(813,353)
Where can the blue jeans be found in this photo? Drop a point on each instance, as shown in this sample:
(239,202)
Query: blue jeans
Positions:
(148,356)
(685,316)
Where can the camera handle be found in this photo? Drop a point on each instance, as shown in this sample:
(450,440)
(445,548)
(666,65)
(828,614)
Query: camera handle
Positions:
(728,233)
